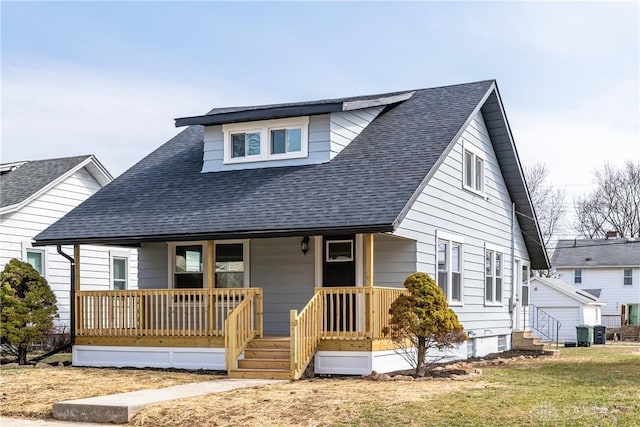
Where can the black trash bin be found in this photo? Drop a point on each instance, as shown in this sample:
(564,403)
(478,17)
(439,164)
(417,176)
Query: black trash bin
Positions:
(599,334)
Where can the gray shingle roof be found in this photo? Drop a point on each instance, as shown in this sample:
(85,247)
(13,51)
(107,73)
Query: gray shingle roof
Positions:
(18,185)
(165,197)
(597,253)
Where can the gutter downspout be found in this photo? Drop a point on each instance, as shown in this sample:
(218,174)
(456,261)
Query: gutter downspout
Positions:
(515,309)
(72,295)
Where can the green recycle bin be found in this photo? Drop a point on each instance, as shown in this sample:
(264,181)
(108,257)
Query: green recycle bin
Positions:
(585,335)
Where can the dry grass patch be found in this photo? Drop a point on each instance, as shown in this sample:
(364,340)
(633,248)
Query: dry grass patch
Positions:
(31,393)
(307,403)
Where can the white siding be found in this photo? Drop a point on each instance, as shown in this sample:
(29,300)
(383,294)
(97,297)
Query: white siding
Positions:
(444,205)
(18,228)
(346,125)
(153,266)
(328,135)
(610,280)
(393,260)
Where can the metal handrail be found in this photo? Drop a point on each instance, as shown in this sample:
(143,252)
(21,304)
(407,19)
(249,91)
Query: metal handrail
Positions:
(544,323)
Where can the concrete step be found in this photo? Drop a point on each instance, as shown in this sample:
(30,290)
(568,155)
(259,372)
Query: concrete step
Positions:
(268,364)
(120,408)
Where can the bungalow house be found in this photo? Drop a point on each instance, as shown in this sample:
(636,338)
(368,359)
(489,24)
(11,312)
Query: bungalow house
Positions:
(273,239)
(36,193)
(609,267)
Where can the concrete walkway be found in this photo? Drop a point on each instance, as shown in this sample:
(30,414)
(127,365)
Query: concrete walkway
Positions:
(120,408)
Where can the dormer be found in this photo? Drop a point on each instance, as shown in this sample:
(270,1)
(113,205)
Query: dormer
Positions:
(285,134)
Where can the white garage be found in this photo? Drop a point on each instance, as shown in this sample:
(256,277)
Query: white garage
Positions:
(568,304)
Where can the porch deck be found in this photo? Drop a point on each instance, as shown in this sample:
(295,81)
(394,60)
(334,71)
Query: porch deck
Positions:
(334,318)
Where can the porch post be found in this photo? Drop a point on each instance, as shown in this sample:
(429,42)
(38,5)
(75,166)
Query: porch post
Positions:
(368,283)
(368,259)
(76,270)
(211,266)
(212,319)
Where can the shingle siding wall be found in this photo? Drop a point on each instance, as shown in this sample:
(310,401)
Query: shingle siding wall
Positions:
(445,206)
(18,228)
(329,134)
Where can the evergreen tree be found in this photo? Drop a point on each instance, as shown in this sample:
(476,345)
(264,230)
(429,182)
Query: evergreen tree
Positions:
(28,308)
(423,320)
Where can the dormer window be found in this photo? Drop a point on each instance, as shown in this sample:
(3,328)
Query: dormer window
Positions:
(266,140)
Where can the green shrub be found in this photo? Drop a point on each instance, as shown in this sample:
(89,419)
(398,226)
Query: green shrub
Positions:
(423,320)
(28,308)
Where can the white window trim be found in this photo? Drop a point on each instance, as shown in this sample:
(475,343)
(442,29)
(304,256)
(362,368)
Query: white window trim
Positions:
(625,276)
(452,238)
(119,254)
(171,254)
(327,242)
(265,127)
(497,302)
(27,246)
(527,264)
(245,259)
(476,152)
(575,270)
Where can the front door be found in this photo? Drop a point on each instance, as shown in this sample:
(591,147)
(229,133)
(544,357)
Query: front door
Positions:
(339,270)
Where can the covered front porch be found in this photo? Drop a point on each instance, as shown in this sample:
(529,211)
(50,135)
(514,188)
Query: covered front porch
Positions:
(268,331)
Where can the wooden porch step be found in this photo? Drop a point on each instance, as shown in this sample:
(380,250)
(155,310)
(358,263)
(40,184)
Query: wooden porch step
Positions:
(270,343)
(266,353)
(268,364)
(264,374)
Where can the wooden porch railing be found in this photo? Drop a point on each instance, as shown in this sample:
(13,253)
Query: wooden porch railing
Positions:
(242,325)
(158,312)
(305,334)
(338,313)
(356,312)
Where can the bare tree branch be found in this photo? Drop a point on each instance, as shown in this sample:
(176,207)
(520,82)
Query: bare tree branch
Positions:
(614,205)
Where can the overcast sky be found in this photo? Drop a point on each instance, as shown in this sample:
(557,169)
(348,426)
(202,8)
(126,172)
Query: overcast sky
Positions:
(109,78)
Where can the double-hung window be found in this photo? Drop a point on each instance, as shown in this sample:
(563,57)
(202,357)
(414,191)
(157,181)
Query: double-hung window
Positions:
(449,257)
(493,266)
(473,169)
(188,265)
(232,264)
(277,139)
(525,285)
(119,271)
(577,276)
(627,276)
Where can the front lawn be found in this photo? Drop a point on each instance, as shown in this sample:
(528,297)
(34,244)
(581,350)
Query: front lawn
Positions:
(582,387)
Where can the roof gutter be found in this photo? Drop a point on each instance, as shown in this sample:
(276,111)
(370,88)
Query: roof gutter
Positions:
(258,234)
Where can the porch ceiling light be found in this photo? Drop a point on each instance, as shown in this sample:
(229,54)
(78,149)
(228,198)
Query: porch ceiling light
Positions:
(304,245)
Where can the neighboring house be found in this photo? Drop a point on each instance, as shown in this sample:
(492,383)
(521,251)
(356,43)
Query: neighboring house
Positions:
(568,304)
(35,194)
(610,266)
(305,219)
